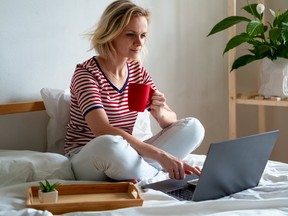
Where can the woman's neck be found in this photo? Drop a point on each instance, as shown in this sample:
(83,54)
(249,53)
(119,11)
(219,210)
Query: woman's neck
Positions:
(116,67)
(115,71)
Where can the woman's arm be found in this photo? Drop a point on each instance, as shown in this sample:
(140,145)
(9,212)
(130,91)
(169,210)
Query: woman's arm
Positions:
(98,122)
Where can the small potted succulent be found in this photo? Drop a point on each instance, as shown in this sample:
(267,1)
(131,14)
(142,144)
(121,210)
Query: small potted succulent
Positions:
(47,192)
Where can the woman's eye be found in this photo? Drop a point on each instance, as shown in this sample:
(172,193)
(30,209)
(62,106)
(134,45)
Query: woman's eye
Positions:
(130,34)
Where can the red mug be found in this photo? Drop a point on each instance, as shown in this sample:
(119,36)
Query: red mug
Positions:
(139,95)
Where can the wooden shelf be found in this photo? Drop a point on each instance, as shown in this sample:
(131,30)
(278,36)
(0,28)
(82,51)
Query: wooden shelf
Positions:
(258,100)
(235,98)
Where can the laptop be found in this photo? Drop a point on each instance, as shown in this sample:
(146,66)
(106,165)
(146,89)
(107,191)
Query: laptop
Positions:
(230,167)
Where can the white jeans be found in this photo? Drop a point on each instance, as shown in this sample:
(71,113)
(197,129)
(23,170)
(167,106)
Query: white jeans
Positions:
(113,157)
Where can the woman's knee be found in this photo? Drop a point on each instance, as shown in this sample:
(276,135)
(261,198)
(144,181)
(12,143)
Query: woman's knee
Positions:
(195,130)
(190,126)
(180,138)
(103,145)
(96,157)
(196,126)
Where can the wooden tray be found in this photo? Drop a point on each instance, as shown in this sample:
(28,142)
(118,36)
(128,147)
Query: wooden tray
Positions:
(88,197)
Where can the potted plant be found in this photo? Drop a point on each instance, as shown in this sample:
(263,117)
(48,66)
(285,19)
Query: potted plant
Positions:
(267,42)
(47,192)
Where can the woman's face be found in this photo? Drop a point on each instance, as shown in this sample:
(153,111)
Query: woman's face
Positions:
(131,40)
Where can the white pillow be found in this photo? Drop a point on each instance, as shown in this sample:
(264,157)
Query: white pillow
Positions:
(57,104)
(20,166)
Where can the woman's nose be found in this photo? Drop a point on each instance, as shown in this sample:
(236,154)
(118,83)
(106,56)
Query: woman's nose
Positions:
(138,41)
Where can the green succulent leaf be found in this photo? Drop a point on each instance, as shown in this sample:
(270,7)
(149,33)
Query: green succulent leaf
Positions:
(236,41)
(42,187)
(53,187)
(47,187)
(227,23)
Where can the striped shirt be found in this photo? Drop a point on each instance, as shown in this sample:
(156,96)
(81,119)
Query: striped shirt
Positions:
(91,89)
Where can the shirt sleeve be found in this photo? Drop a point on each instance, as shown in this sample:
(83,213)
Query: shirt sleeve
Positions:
(147,79)
(85,88)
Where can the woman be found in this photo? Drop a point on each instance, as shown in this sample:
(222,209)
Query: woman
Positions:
(99,141)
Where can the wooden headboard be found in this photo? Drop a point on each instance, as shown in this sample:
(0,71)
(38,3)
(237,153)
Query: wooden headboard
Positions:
(21,107)
(26,131)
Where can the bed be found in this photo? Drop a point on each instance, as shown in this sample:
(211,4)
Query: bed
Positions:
(20,169)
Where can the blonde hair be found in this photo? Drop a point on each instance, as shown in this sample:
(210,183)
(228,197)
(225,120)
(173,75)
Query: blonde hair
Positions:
(112,22)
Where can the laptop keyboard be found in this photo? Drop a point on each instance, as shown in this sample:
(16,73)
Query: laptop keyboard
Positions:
(183,193)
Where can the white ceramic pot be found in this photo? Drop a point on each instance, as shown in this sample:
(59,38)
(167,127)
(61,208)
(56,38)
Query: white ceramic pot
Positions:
(48,197)
(274,78)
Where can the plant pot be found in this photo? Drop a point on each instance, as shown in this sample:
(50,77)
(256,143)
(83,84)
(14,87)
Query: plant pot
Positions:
(48,197)
(274,78)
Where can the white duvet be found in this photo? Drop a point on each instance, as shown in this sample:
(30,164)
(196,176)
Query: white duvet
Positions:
(269,198)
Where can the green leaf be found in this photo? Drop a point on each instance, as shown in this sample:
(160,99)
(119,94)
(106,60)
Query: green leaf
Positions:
(262,51)
(236,41)
(274,35)
(285,16)
(284,36)
(280,18)
(254,28)
(226,23)
(284,33)
(243,60)
(276,22)
(251,9)
(284,52)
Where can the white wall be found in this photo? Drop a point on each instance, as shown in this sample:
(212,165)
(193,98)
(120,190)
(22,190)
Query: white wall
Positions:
(41,43)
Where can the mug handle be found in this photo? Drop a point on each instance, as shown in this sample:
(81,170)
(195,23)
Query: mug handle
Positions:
(151,93)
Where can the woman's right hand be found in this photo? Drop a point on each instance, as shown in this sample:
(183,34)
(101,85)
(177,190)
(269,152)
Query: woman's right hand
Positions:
(176,168)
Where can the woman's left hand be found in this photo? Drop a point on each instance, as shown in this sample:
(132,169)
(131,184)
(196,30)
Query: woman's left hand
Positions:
(160,110)
(157,101)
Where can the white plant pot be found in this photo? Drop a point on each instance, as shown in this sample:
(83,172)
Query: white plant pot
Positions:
(274,78)
(48,197)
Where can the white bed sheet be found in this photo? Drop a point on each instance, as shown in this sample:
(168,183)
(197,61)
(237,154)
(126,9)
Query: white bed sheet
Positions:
(269,198)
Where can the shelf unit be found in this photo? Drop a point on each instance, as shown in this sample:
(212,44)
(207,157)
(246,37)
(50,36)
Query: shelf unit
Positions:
(235,98)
